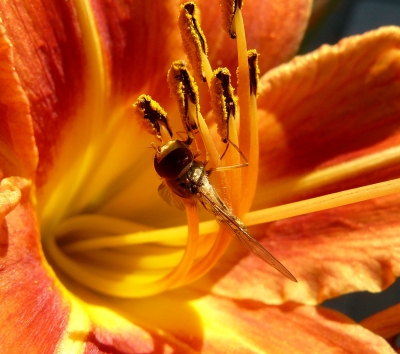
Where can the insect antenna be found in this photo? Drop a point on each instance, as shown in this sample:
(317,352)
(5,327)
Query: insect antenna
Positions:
(229,142)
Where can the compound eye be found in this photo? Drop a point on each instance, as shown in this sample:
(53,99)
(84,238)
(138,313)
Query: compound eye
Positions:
(171,166)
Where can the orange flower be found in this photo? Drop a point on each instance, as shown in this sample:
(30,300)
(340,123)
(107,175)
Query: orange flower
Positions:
(79,190)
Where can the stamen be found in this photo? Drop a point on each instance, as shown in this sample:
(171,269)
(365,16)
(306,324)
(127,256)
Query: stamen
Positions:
(229,8)
(150,116)
(247,127)
(328,201)
(194,41)
(224,107)
(248,138)
(254,71)
(250,175)
(183,87)
(223,102)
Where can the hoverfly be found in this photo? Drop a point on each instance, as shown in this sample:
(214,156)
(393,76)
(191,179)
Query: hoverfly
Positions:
(186,178)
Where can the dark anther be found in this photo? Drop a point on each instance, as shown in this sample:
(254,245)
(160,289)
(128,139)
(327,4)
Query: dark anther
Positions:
(252,60)
(238,5)
(154,116)
(229,103)
(190,8)
(189,94)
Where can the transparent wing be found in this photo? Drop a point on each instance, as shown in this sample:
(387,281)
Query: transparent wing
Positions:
(226,219)
(170,197)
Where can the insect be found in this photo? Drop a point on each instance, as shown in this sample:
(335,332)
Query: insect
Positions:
(188,178)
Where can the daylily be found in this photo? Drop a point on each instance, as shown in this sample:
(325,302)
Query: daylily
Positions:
(79,183)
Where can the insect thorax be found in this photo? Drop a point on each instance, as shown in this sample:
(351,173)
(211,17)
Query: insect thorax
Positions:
(186,185)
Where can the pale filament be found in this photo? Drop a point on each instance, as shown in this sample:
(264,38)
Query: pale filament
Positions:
(207,67)
(165,137)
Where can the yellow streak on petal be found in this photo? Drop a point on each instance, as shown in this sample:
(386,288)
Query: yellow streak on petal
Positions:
(69,182)
(73,340)
(97,80)
(330,175)
(347,170)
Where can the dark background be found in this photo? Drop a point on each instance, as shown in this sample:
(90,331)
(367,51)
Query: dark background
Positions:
(331,21)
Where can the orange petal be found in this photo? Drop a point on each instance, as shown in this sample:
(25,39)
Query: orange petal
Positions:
(140,40)
(34,314)
(212,324)
(274,28)
(50,62)
(245,326)
(385,323)
(335,105)
(64,50)
(18,155)
(333,252)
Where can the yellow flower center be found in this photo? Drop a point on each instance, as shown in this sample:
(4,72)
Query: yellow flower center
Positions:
(91,239)
(88,233)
